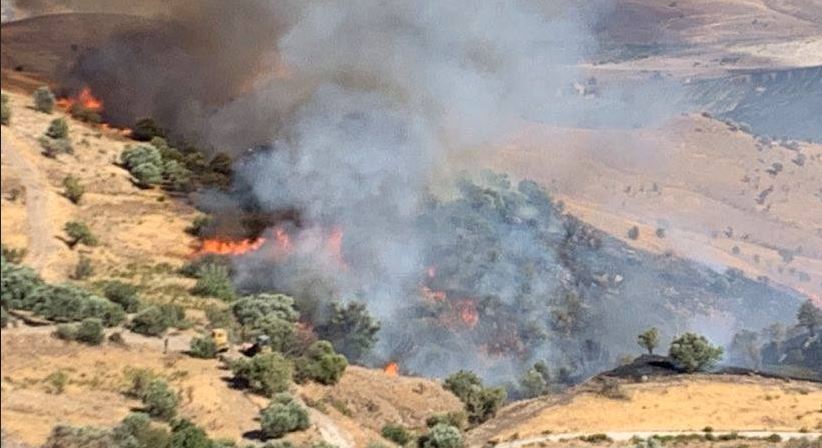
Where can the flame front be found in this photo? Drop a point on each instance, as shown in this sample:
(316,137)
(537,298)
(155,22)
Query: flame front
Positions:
(228,247)
(392,369)
(85,99)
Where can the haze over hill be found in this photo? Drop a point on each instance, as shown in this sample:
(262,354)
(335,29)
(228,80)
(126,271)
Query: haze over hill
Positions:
(518,189)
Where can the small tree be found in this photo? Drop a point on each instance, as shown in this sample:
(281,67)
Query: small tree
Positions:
(694,353)
(320,364)
(265,373)
(79,233)
(58,129)
(5,110)
(73,190)
(442,436)
(351,329)
(809,316)
(633,233)
(481,403)
(214,281)
(160,401)
(251,309)
(44,100)
(283,415)
(90,331)
(150,322)
(649,340)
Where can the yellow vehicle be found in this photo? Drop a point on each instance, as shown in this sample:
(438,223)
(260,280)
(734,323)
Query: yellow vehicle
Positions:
(220,338)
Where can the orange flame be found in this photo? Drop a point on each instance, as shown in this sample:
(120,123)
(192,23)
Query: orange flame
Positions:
(468,312)
(228,247)
(85,98)
(432,295)
(333,246)
(391,369)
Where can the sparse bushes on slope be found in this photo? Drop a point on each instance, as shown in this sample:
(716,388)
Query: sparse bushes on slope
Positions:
(58,129)
(150,321)
(396,434)
(214,281)
(694,353)
(351,329)
(44,100)
(124,294)
(442,436)
(481,403)
(5,110)
(203,347)
(159,400)
(73,190)
(320,364)
(265,373)
(79,233)
(283,415)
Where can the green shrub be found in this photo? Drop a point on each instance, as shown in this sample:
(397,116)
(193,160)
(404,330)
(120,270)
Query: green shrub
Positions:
(159,400)
(44,100)
(176,176)
(351,329)
(138,379)
(90,331)
(203,347)
(4,318)
(56,382)
(150,322)
(649,340)
(145,164)
(69,303)
(283,415)
(694,353)
(185,434)
(83,269)
(596,438)
(320,364)
(193,267)
(17,285)
(66,332)
(5,110)
(214,281)
(83,113)
(124,294)
(63,436)
(73,190)
(481,403)
(147,175)
(52,148)
(12,255)
(442,436)
(250,309)
(265,373)
(455,419)
(79,233)
(175,314)
(58,129)
(136,431)
(282,334)
(396,434)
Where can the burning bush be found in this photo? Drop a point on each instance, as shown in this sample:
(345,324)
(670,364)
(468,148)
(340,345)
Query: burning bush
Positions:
(283,415)
(320,364)
(481,403)
(265,373)
(44,100)
(694,353)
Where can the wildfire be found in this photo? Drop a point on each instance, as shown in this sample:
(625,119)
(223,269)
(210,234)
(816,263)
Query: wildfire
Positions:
(228,247)
(85,99)
(392,369)
(432,295)
(468,312)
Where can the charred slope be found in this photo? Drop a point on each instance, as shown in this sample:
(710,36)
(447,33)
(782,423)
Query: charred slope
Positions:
(778,103)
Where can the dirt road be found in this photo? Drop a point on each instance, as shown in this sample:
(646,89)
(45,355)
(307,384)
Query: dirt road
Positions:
(41,202)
